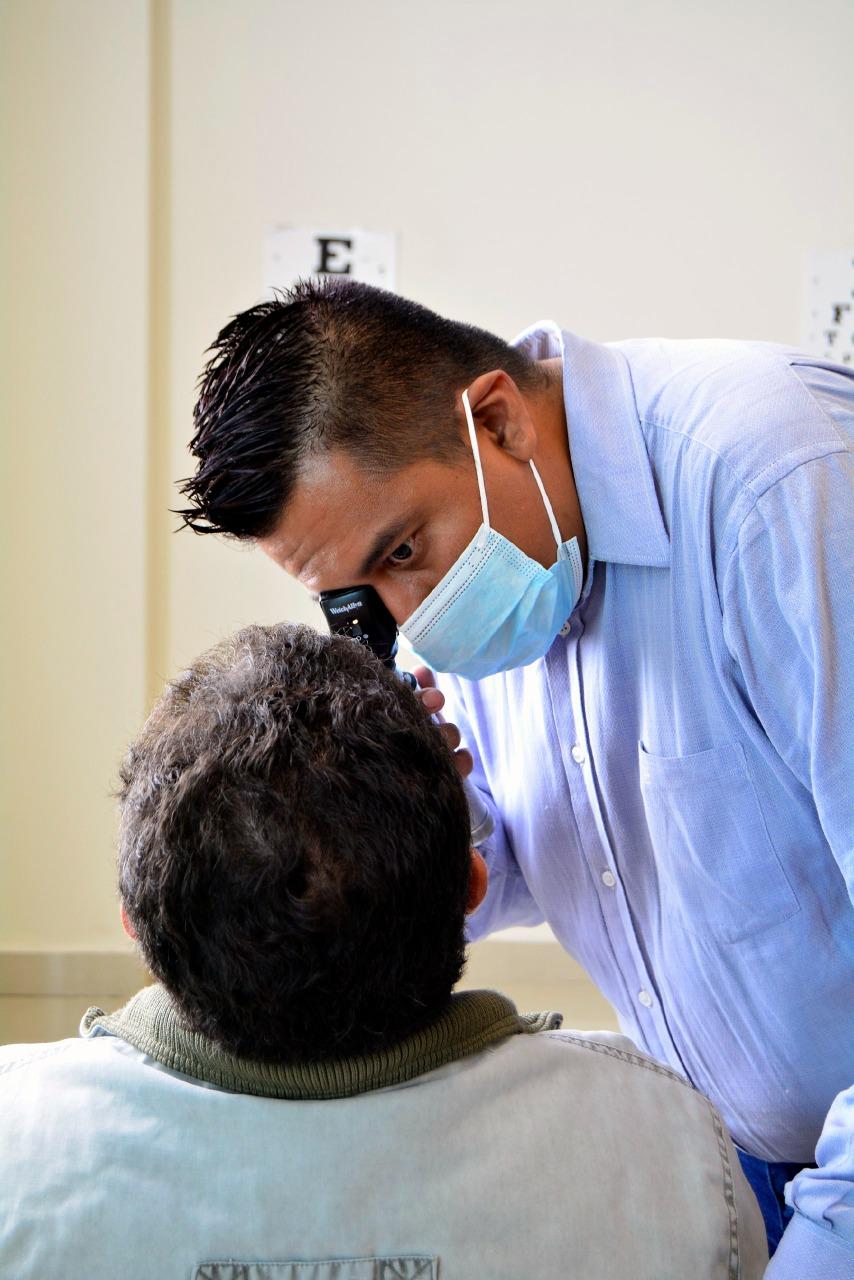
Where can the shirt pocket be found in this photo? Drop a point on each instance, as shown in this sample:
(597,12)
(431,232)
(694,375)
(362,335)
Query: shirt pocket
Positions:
(714,858)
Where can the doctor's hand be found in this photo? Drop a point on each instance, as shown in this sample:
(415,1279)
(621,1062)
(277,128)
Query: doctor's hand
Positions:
(432,700)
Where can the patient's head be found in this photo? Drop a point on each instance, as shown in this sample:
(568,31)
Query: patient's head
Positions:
(294,856)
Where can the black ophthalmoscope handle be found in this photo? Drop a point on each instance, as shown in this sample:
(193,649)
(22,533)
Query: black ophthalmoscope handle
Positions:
(359,614)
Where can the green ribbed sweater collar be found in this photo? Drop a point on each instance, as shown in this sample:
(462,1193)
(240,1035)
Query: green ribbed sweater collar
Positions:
(473,1021)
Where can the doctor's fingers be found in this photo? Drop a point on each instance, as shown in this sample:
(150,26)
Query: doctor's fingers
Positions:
(464,761)
(431,698)
(462,757)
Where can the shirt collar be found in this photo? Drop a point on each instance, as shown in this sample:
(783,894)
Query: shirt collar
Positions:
(474,1020)
(610,464)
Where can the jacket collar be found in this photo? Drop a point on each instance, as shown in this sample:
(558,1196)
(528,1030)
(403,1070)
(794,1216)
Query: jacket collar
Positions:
(610,464)
(474,1020)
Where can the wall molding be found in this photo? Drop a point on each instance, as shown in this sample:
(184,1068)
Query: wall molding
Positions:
(71,973)
(495,961)
(502,962)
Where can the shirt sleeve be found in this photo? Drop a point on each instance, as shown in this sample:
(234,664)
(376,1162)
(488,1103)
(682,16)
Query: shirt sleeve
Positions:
(788,616)
(818,1243)
(508,899)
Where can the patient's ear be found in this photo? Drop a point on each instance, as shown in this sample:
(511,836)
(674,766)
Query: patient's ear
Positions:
(478,881)
(126,924)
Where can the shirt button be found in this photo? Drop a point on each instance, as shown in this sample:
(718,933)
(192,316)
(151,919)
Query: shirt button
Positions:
(578,754)
(645,999)
(609,879)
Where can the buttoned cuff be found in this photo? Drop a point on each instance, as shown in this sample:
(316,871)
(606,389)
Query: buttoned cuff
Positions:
(810,1252)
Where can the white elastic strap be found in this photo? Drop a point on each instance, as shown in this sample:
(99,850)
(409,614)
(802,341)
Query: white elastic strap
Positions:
(547,504)
(476,452)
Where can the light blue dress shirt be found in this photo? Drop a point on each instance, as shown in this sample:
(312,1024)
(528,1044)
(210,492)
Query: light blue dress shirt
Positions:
(674,781)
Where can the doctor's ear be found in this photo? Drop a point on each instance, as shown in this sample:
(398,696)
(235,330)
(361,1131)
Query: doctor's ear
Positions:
(499,407)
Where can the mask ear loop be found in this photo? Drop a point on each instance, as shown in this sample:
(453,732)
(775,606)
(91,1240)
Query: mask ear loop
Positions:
(484,533)
(547,505)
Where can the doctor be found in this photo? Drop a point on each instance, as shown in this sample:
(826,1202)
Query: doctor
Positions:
(634,564)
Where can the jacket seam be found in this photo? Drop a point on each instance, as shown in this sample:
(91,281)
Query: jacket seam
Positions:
(726,1168)
(729,1190)
(623,1055)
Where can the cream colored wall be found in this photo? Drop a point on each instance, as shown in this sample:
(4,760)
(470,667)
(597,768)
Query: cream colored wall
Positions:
(622,168)
(74,509)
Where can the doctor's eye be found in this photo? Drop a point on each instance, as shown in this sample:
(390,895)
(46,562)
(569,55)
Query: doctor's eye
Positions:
(401,553)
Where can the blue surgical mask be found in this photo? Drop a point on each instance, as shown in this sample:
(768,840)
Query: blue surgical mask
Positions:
(495,608)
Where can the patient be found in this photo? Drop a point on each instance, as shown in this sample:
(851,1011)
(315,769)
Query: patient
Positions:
(301,1096)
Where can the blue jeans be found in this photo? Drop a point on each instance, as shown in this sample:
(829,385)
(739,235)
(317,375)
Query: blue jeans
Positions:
(768,1180)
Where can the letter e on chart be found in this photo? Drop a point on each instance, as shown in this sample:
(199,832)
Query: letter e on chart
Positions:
(296,253)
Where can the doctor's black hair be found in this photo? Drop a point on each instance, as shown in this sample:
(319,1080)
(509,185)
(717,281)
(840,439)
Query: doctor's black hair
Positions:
(331,364)
(294,849)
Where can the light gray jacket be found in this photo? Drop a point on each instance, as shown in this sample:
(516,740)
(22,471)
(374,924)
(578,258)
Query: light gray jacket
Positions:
(491,1145)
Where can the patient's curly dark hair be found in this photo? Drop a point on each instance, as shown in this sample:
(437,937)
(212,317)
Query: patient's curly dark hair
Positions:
(294,849)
